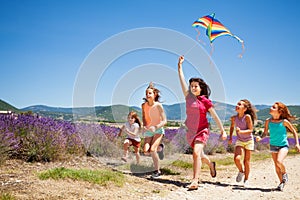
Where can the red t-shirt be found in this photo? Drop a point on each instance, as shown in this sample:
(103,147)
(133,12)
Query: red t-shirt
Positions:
(196,110)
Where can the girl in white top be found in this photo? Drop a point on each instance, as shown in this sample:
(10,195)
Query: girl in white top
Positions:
(132,129)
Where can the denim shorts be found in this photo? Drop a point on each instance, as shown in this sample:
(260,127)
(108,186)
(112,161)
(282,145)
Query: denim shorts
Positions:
(277,148)
(151,134)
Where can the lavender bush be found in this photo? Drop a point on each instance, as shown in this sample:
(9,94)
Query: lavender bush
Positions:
(35,138)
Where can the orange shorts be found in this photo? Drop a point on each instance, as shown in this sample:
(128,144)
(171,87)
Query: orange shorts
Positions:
(134,143)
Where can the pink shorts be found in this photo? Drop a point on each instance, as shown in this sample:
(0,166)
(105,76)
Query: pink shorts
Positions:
(201,137)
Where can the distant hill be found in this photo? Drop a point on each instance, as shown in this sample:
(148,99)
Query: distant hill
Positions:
(4,106)
(119,113)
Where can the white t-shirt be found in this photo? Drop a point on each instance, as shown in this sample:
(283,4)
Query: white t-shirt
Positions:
(131,128)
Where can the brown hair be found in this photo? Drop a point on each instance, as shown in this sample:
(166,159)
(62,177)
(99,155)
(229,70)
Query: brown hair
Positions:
(155,91)
(136,117)
(250,109)
(284,112)
(205,90)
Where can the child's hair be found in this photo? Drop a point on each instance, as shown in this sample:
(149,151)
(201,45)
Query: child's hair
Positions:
(205,90)
(155,91)
(250,109)
(136,117)
(284,112)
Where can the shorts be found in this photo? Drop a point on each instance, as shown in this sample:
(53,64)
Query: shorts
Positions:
(151,134)
(249,145)
(201,136)
(134,143)
(277,148)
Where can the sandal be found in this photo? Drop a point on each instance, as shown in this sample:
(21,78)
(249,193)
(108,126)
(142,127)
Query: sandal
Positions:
(193,185)
(124,159)
(213,171)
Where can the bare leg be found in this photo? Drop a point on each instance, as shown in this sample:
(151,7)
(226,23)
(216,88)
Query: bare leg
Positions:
(147,143)
(278,161)
(137,154)
(237,158)
(247,163)
(198,148)
(205,159)
(153,150)
(125,147)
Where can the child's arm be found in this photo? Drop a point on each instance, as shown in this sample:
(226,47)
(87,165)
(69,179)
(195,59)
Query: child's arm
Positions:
(121,130)
(288,124)
(183,84)
(249,125)
(163,117)
(266,130)
(219,123)
(135,132)
(231,130)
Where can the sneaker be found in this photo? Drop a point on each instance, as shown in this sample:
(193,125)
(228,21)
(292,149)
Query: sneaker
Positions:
(124,159)
(155,174)
(280,187)
(246,183)
(239,177)
(160,153)
(285,178)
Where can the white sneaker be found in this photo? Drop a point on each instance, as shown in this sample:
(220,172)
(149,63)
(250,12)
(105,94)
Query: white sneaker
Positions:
(246,183)
(239,177)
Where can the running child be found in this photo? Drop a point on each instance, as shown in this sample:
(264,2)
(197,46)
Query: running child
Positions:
(276,127)
(197,106)
(243,122)
(154,119)
(132,129)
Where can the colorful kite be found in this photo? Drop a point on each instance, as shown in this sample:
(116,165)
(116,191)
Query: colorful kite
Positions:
(214,29)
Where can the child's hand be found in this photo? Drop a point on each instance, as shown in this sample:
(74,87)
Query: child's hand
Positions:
(258,139)
(181,59)
(152,129)
(224,135)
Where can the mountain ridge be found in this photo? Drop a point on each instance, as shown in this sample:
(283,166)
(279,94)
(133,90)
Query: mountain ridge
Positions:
(118,113)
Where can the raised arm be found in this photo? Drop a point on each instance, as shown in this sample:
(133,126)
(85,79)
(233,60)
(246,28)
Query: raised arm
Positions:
(183,83)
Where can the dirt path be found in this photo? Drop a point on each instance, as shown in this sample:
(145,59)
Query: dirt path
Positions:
(19,179)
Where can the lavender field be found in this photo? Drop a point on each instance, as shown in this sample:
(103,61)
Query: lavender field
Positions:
(34,138)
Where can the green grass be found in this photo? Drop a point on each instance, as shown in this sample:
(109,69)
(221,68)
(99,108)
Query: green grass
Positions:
(6,196)
(182,164)
(168,171)
(101,177)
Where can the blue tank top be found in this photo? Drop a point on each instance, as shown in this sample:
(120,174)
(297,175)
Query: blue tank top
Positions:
(278,134)
(242,124)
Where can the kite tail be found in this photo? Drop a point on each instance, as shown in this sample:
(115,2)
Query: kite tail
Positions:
(197,37)
(212,48)
(243,46)
(243,50)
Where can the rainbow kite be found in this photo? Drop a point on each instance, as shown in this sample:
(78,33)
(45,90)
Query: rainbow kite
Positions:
(214,29)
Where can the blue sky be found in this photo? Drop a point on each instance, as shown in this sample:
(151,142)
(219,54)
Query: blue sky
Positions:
(45,44)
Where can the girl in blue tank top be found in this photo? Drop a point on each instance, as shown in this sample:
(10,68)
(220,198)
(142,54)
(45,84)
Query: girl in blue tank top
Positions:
(242,122)
(276,127)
